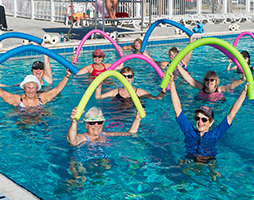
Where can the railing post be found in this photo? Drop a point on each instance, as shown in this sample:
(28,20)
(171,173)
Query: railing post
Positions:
(170,7)
(32,9)
(224,9)
(14,8)
(52,14)
(137,9)
(199,7)
(247,6)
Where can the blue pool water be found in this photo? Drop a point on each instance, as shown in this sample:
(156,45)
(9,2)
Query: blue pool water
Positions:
(35,152)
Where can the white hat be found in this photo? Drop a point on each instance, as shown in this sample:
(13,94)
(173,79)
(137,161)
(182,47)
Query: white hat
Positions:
(30,78)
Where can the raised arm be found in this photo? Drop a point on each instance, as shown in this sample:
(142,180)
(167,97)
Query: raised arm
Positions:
(174,96)
(98,94)
(73,138)
(232,85)
(187,58)
(131,131)
(162,65)
(47,76)
(9,98)
(237,105)
(147,95)
(189,79)
(51,94)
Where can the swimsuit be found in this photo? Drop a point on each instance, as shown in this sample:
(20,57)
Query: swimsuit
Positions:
(21,104)
(88,140)
(118,96)
(180,63)
(97,72)
(210,97)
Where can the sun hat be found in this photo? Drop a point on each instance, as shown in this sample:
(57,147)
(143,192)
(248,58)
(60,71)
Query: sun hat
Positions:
(206,110)
(95,118)
(98,52)
(30,78)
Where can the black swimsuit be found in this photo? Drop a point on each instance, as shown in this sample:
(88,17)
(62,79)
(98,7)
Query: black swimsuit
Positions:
(118,96)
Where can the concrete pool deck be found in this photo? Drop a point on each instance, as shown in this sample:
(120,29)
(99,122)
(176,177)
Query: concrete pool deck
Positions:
(10,190)
(40,28)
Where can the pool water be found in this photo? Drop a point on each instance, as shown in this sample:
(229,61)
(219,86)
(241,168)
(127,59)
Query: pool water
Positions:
(36,155)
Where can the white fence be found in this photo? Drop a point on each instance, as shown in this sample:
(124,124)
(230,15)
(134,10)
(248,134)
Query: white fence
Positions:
(55,10)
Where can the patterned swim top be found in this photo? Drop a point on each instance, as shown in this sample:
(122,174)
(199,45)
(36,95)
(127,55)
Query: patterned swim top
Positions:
(180,63)
(21,104)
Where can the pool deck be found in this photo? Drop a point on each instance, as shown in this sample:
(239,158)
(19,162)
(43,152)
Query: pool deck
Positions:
(40,28)
(9,189)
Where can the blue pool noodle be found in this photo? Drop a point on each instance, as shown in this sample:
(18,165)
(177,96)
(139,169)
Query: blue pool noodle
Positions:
(21,36)
(166,21)
(200,25)
(42,50)
(201,30)
(195,29)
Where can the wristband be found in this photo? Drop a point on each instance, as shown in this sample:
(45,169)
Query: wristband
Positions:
(67,76)
(163,92)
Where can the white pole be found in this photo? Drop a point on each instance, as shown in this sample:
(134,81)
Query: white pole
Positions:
(170,7)
(52,14)
(247,6)
(137,10)
(199,7)
(14,8)
(32,9)
(224,9)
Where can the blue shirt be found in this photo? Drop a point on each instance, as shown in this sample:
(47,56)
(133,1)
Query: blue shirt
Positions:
(197,146)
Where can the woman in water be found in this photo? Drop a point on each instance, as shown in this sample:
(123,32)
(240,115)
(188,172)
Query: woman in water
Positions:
(122,92)
(201,142)
(31,85)
(172,54)
(97,67)
(246,56)
(209,89)
(94,121)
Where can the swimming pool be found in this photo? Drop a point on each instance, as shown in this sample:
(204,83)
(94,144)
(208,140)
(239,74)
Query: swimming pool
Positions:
(36,154)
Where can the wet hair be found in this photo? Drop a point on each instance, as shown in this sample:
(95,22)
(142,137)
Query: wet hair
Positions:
(38,65)
(174,50)
(137,40)
(126,70)
(246,55)
(211,74)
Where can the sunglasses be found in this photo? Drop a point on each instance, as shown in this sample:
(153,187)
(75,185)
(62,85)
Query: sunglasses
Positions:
(210,79)
(129,76)
(37,67)
(97,56)
(203,119)
(93,123)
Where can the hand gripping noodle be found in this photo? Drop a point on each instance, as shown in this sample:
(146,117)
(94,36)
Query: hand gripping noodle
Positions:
(166,21)
(21,36)
(139,56)
(42,50)
(97,81)
(103,34)
(213,41)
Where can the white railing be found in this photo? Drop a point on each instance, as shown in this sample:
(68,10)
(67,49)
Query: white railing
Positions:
(55,10)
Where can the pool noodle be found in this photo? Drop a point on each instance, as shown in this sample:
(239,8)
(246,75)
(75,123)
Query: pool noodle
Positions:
(102,33)
(97,81)
(42,50)
(139,56)
(229,55)
(214,41)
(240,35)
(21,36)
(167,21)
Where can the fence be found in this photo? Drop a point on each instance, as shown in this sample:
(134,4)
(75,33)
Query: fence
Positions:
(55,10)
